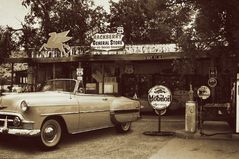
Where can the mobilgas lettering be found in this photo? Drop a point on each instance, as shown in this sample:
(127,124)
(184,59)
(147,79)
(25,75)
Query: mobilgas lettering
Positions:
(159,98)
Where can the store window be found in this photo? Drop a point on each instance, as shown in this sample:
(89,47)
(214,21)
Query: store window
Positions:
(144,84)
(129,85)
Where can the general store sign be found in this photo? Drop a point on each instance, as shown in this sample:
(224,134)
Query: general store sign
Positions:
(107,41)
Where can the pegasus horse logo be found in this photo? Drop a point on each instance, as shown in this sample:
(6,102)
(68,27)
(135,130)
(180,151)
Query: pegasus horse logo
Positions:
(56,40)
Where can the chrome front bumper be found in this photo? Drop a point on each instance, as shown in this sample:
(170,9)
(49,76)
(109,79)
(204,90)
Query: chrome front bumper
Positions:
(20,132)
(17,131)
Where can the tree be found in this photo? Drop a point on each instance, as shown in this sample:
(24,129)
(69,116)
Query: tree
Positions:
(7,43)
(217,22)
(150,21)
(215,31)
(216,28)
(46,16)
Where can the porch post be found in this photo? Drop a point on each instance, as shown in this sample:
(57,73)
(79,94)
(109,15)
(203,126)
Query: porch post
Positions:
(53,70)
(103,78)
(12,74)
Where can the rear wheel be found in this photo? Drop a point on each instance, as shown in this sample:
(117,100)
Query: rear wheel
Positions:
(51,133)
(123,127)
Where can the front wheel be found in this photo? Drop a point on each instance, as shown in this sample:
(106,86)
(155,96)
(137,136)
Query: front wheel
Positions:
(123,127)
(51,132)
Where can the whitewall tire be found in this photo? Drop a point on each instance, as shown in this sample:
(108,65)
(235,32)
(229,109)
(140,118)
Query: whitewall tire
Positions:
(123,127)
(51,133)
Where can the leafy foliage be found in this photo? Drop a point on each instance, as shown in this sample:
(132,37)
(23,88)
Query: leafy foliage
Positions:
(214,29)
(5,68)
(216,24)
(7,43)
(150,21)
(78,16)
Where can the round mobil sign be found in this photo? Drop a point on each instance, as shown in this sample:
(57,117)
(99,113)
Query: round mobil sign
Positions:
(159,97)
(203,92)
(212,82)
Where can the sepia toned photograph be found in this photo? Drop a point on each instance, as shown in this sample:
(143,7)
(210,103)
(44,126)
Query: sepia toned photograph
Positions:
(119,79)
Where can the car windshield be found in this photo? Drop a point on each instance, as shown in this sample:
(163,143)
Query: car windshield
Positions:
(59,85)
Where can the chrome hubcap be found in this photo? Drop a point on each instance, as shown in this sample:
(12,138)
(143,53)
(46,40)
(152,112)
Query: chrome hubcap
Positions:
(125,126)
(49,133)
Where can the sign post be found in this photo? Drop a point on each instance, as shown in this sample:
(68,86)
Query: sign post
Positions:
(237,104)
(160,98)
(203,93)
(212,82)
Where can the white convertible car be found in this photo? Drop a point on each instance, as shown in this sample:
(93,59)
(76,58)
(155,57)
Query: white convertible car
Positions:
(62,106)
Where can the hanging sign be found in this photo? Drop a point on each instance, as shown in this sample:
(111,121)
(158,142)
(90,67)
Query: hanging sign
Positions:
(212,72)
(120,30)
(107,41)
(212,82)
(79,71)
(203,92)
(159,97)
(129,69)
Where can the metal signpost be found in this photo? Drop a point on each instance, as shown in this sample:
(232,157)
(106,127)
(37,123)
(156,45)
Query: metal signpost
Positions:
(159,98)
(237,104)
(203,93)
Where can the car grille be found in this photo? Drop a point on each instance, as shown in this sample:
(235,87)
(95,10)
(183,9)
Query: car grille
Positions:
(9,120)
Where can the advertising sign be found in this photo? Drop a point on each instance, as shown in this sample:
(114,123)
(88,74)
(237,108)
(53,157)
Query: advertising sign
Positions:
(159,97)
(212,82)
(212,72)
(107,41)
(203,92)
(120,30)
(79,71)
(160,49)
(56,41)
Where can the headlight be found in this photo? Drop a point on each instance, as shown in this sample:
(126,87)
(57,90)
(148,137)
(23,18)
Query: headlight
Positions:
(24,107)
(16,121)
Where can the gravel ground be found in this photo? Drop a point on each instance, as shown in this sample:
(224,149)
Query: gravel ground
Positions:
(108,144)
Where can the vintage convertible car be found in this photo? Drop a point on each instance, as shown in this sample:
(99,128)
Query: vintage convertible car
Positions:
(61,106)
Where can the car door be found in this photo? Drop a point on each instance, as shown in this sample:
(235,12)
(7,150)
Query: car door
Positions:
(94,111)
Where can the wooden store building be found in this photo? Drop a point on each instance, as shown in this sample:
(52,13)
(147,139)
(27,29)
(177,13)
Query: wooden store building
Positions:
(128,70)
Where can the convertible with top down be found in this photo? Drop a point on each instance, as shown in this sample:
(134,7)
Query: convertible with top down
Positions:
(63,106)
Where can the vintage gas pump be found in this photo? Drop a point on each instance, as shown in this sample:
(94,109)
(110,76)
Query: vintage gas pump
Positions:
(237,104)
(191,113)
